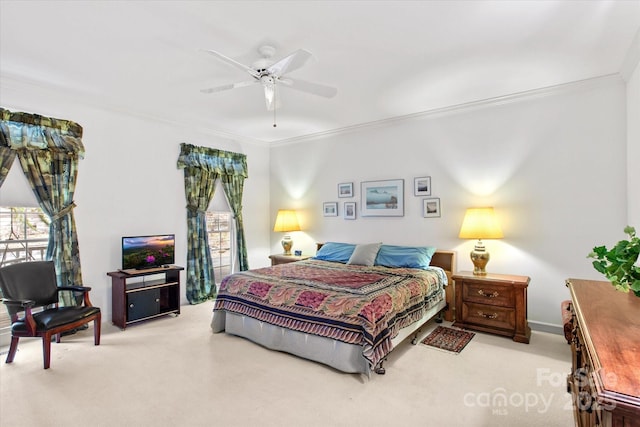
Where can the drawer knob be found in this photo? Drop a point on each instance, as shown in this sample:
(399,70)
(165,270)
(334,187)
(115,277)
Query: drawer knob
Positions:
(488,295)
(487,315)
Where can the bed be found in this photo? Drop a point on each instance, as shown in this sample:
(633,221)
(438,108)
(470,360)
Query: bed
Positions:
(345,313)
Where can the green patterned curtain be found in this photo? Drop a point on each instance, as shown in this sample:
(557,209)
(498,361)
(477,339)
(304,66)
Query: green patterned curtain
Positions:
(233,186)
(202,167)
(49,150)
(7,155)
(199,188)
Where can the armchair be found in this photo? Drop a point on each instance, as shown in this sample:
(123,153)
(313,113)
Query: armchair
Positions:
(30,285)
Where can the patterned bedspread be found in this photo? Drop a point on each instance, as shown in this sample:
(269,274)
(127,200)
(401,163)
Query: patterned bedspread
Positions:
(350,303)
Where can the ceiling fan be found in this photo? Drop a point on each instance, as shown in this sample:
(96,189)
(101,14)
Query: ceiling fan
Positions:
(270,74)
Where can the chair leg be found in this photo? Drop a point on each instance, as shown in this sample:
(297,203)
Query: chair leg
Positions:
(96,330)
(46,349)
(12,349)
(58,337)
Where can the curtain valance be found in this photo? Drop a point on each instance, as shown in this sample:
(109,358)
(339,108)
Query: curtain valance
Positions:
(34,132)
(212,160)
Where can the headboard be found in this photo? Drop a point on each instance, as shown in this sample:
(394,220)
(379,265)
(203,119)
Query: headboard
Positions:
(443,259)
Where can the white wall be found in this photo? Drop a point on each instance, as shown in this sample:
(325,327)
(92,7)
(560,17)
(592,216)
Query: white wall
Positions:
(552,164)
(633,148)
(129,184)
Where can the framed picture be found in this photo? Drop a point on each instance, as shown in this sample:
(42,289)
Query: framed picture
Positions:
(330,208)
(431,207)
(345,189)
(422,186)
(382,198)
(349,210)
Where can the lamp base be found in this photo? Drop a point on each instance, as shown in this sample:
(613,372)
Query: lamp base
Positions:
(287,244)
(480,260)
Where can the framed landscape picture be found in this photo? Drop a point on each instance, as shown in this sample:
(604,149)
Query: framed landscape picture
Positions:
(330,208)
(382,198)
(422,186)
(345,189)
(349,210)
(431,207)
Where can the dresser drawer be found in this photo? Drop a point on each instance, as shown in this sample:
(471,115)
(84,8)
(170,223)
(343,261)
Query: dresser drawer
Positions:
(488,293)
(489,315)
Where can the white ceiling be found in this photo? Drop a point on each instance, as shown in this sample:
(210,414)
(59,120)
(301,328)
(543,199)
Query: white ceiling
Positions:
(387,59)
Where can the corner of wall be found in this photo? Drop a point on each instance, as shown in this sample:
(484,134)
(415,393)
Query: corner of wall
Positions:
(631,59)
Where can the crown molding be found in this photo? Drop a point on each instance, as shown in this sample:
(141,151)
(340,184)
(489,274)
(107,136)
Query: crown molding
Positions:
(454,109)
(10,81)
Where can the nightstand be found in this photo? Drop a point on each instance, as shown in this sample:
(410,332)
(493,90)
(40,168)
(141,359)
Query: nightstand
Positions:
(495,303)
(284,259)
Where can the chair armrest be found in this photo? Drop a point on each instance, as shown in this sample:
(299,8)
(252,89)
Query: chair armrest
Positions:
(18,302)
(26,305)
(74,288)
(84,289)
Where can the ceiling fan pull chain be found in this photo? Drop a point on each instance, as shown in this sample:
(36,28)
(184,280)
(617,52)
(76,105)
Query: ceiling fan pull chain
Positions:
(274,104)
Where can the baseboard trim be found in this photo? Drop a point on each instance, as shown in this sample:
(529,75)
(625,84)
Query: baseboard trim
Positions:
(546,327)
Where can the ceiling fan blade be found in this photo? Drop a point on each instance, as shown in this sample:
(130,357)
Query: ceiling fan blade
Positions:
(309,87)
(229,86)
(289,63)
(233,62)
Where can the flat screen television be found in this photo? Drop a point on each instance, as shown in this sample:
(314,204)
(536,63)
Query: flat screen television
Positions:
(142,252)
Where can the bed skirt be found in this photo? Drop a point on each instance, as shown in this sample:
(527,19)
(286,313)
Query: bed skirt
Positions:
(337,354)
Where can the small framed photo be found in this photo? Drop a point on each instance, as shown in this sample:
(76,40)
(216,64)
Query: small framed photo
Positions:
(330,208)
(431,207)
(345,189)
(422,186)
(349,210)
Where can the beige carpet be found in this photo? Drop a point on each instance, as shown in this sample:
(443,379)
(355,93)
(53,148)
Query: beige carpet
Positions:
(174,372)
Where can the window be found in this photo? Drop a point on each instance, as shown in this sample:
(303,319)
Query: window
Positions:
(24,234)
(219,227)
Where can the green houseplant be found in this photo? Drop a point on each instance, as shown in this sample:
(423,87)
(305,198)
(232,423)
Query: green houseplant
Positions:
(620,263)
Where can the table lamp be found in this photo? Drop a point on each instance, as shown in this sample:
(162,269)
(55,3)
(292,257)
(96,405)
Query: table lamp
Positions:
(480,223)
(286,221)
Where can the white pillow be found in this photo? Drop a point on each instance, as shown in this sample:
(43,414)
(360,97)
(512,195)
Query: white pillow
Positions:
(365,254)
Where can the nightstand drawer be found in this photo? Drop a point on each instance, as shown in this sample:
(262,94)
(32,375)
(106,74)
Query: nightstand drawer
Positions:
(488,293)
(489,315)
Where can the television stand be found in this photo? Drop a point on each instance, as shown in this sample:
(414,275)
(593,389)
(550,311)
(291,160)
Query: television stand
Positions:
(150,270)
(135,301)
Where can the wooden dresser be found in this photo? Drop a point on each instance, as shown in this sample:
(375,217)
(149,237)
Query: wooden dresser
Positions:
(605,380)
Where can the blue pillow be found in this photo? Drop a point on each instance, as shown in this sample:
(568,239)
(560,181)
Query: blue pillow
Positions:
(337,252)
(405,256)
